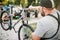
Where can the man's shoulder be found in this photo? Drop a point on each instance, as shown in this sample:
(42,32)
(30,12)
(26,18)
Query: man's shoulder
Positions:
(47,19)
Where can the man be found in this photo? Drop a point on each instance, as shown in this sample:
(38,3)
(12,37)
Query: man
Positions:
(46,26)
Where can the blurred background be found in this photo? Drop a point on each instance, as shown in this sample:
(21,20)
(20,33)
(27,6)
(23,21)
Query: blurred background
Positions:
(26,3)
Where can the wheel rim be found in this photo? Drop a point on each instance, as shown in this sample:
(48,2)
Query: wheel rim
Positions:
(28,31)
(5,23)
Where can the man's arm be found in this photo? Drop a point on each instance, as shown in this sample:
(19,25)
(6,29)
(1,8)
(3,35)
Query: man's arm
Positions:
(38,8)
(40,30)
(35,37)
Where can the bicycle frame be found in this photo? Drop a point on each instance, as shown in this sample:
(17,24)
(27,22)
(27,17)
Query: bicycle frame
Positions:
(10,26)
(10,16)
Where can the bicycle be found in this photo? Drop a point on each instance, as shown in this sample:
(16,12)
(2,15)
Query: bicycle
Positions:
(10,26)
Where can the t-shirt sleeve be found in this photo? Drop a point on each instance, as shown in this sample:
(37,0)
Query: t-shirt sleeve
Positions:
(41,29)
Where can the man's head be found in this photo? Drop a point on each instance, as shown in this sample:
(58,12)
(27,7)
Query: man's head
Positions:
(46,6)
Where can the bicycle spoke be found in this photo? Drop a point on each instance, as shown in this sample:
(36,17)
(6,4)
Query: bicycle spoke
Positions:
(5,24)
(25,32)
(5,20)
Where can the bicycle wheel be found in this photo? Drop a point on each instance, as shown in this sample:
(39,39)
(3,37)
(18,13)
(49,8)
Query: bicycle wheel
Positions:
(26,34)
(5,23)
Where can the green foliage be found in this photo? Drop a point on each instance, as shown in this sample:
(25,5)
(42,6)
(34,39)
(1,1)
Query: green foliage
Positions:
(0,0)
(35,4)
(56,3)
(17,2)
(30,2)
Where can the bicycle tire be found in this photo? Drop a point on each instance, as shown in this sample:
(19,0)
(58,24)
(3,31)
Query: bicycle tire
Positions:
(2,21)
(28,26)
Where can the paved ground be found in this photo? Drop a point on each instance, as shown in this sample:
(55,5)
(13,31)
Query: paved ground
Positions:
(10,34)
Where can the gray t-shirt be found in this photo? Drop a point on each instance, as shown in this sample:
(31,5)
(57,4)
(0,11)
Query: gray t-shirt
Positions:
(47,26)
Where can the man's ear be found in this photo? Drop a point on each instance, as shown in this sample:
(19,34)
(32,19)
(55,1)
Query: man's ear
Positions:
(44,9)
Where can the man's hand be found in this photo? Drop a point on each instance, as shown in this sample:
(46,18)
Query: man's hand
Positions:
(4,17)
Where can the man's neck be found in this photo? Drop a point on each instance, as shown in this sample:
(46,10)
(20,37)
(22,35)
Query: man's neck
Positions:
(48,12)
